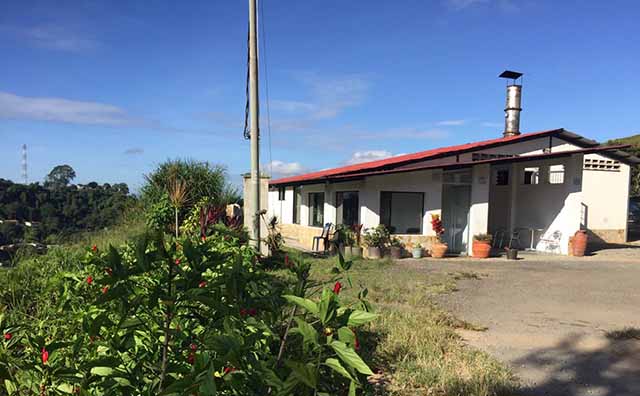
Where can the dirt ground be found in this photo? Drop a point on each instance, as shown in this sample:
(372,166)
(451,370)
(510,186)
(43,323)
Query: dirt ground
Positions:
(549,316)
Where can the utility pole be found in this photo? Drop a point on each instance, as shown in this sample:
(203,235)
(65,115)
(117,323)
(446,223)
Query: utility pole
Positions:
(254,200)
(24,164)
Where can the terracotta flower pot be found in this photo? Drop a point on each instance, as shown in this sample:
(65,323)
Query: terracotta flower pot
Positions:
(481,249)
(396,252)
(374,252)
(580,243)
(438,250)
(353,251)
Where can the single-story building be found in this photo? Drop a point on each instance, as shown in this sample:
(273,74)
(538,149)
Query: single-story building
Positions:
(546,185)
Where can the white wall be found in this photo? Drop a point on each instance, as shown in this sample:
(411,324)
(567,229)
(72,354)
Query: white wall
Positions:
(529,147)
(606,194)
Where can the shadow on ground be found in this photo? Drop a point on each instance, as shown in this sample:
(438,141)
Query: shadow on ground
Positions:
(580,366)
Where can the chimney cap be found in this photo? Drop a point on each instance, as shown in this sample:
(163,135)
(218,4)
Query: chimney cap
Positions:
(510,74)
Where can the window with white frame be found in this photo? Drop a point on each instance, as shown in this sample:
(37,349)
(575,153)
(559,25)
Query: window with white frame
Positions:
(532,175)
(402,212)
(316,209)
(297,199)
(556,174)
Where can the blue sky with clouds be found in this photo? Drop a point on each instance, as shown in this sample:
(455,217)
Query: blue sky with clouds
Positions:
(115,87)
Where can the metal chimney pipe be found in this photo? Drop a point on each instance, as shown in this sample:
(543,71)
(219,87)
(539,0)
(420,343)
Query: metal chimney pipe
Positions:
(512,110)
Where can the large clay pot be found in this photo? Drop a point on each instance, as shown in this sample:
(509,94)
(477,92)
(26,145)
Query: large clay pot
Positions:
(481,249)
(580,243)
(353,251)
(438,250)
(374,252)
(396,252)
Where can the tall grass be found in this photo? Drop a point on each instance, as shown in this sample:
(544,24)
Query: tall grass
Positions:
(414,342)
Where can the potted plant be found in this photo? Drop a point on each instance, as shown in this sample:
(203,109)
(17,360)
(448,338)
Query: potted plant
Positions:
(438,248)
(416,251)
(481,247)
(352,248)
(512,254)
(376,239)
(340,239)
(396,248)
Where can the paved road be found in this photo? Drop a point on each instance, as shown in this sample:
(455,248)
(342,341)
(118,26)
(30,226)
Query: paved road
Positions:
(548,318)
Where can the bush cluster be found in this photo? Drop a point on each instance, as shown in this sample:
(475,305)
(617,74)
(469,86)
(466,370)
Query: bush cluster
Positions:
(193,315)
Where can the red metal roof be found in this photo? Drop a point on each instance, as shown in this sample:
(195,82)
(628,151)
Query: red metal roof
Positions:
(408,158)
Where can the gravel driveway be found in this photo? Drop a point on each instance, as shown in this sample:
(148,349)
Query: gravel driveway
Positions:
(548,317)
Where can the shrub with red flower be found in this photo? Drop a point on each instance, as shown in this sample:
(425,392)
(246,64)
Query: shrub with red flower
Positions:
(436,226)
(94,248)
(337,287)
(89,280)
(8,336)
(44,356)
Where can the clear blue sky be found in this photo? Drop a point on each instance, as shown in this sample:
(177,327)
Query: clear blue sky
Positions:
(115,87)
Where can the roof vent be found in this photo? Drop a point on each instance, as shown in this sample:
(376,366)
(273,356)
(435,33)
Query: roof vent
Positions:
(514,97)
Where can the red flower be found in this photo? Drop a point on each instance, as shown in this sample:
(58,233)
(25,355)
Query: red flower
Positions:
(45,356)
(94,248)
(8,336)
(202,284)
(177,261)
(243,312)
(287,264)
(109,271)
(252,311)
(105,289)
(89,279)
(356,344)
(337,287)
(228,370)
(192,358)
(193,347)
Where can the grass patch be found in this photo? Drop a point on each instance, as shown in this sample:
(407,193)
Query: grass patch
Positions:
(628,333)
(414,343)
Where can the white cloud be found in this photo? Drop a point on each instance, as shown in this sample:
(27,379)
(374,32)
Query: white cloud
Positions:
(291,106)
(503,5)
(63,110)
(134,151)
(461,4)
(451,122)
(327,96)
(284,169)
(54,37)
(369,155)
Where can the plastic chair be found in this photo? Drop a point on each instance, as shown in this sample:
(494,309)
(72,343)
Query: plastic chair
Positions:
(324,237)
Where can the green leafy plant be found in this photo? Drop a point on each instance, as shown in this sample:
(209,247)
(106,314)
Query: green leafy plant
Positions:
(486,238)
(377,237)
(181,316)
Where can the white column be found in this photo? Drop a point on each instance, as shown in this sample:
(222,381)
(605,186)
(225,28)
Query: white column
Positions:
(479,210)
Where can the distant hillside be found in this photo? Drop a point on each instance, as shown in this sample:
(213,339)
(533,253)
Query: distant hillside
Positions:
(634,141)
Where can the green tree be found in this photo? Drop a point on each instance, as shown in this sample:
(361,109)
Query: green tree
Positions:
(60,176)
(200,181)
